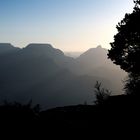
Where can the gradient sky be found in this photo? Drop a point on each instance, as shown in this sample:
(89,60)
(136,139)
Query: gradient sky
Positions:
(70,25)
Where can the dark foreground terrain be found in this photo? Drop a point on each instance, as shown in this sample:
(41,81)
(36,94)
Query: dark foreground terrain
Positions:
(116,113)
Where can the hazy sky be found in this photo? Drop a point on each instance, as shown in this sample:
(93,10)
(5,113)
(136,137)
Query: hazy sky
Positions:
(70,25)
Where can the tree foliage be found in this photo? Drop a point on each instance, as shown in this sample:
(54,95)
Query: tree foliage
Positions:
(125,50)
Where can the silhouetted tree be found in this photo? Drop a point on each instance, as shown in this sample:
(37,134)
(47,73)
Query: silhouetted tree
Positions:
(101,94)
(132,85)
(125,49)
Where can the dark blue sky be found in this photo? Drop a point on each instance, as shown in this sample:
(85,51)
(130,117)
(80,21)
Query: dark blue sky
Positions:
(71,25)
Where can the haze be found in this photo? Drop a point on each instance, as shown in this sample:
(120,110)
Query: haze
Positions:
(70,25)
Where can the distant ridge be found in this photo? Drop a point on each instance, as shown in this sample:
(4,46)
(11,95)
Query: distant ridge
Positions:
(43,49)
(95,51)
(5,44)
(99,47)
(95,62)
(7,48)
(39,45)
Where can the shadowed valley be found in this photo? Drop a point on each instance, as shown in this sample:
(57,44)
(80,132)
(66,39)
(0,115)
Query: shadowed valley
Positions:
(46,76)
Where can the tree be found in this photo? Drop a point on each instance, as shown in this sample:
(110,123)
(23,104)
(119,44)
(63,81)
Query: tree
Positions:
(125,50)
(101,94)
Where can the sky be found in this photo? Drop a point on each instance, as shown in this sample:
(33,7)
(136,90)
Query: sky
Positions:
(70,25)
